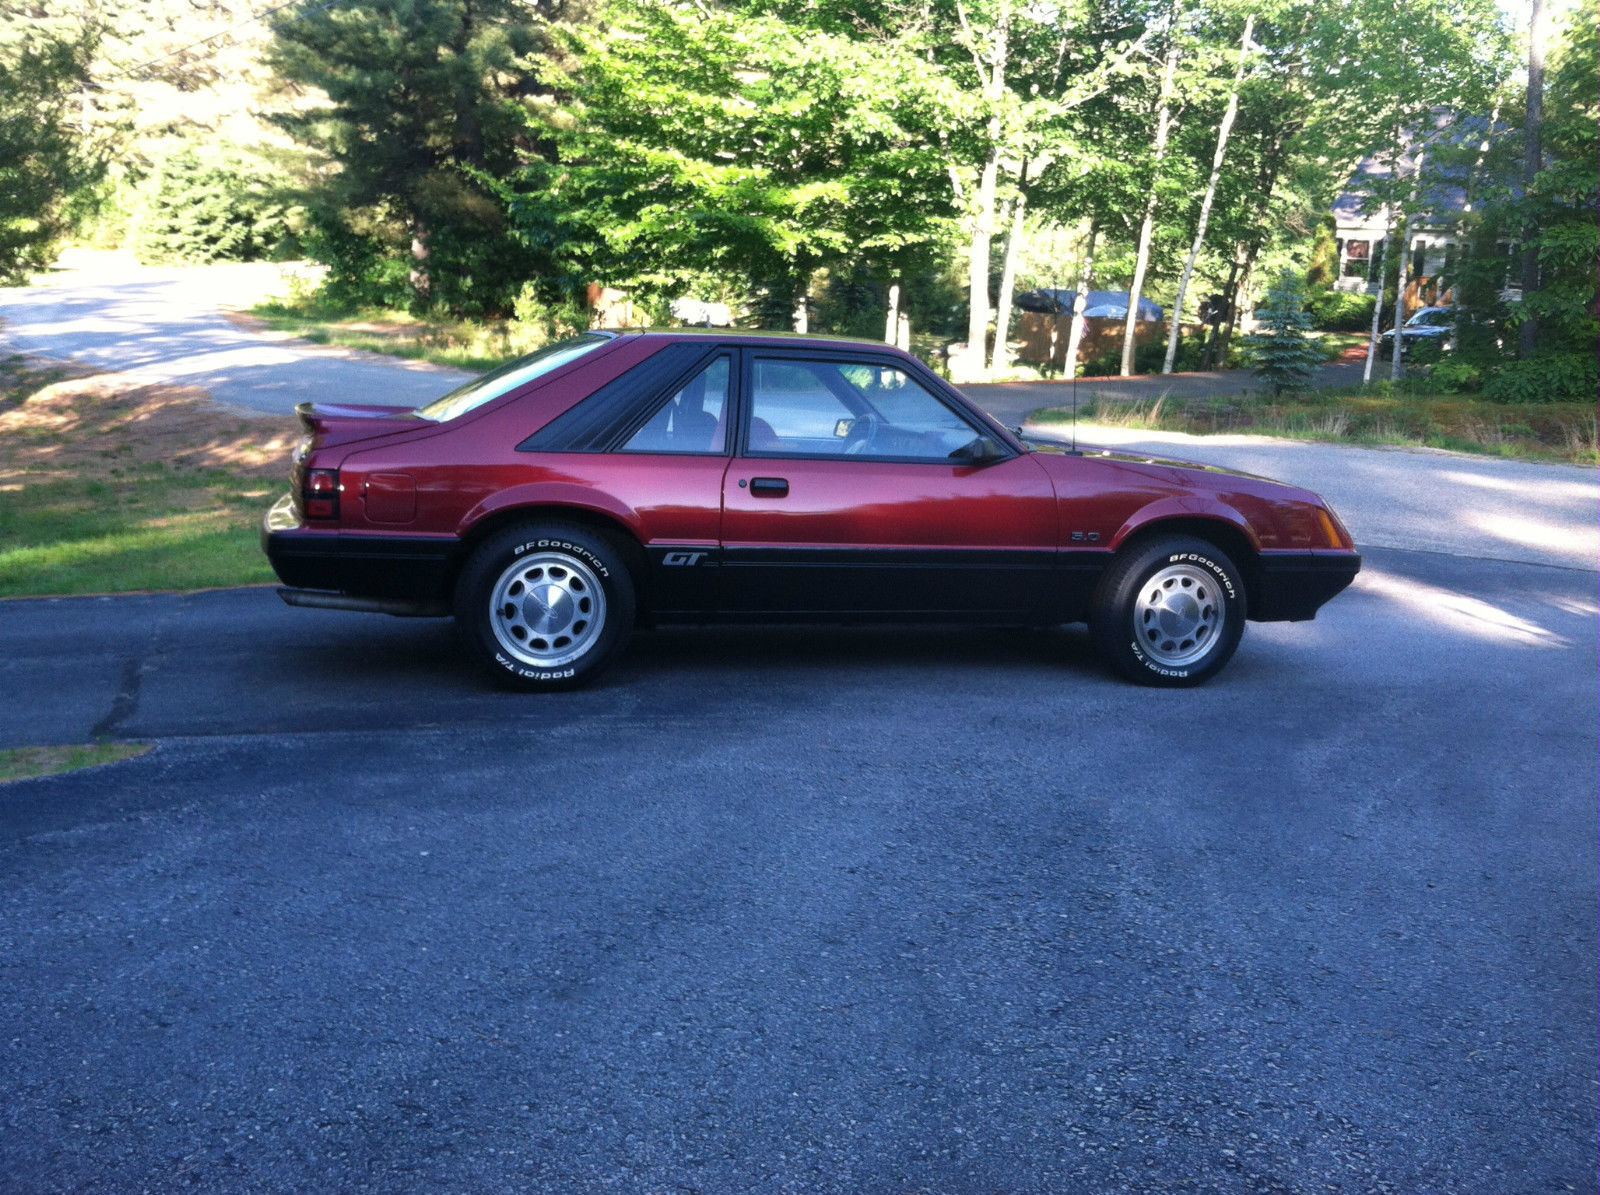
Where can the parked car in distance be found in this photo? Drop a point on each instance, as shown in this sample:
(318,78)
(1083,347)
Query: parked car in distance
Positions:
(1431,324)
(640,477)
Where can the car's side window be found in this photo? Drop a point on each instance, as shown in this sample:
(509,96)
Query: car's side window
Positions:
(693,420)
(850,409)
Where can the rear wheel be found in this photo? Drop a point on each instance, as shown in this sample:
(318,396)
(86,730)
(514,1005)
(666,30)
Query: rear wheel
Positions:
(1169,611)
(544,606)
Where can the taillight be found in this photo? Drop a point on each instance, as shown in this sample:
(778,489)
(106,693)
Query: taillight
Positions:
(320,498)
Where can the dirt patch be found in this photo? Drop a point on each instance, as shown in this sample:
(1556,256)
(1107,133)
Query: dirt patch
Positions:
(94,426)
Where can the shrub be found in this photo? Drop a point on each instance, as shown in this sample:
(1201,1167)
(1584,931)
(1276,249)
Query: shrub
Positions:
(1456,377)
(1334,311)
(1425,350)
(361,270)
(1553,377)
(535,322)
(217,208)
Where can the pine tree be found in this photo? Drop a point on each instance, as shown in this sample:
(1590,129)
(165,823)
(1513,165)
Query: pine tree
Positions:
(210,207)
(420,102)
(1284,354)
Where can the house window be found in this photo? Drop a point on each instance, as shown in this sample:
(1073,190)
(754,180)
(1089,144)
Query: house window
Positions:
(1419,259)
(1355,258)
(1375,265)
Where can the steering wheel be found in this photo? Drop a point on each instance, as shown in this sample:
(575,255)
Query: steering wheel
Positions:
(863,431)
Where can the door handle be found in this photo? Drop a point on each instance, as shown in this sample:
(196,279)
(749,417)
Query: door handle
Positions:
(769,487)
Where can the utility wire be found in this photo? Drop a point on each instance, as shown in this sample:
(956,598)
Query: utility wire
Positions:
(250,20)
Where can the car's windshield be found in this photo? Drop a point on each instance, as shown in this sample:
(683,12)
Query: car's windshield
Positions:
(508,377)
(1429,319)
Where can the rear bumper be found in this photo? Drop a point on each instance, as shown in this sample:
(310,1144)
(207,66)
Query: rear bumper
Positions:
(379,566)
(1293,586)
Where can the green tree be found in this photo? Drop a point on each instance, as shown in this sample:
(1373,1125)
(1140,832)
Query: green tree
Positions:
(700,146)
(1563,208)
(411,102)
(1283,353)
(42,160)
(201,208)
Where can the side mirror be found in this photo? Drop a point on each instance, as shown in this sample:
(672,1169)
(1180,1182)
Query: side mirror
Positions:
(980,450)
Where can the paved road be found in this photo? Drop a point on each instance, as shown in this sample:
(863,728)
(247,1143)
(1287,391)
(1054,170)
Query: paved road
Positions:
(165,326)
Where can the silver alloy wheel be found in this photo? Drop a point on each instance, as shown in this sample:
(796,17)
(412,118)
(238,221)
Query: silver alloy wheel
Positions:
(1178,615)
(547,609)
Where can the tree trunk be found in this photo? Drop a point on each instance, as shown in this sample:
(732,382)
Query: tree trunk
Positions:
(978,255)
(1080,301)
(800,316)
(1211,194)
(1533,162)
(1377,306)
(1397,366)
(421,279)
(1147,227)
(1214,337)
(1008,280)
(891,325)
(1397,354)
(988,180)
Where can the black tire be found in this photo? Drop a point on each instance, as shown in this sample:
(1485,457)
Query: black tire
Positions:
(1169,611)
(560,636)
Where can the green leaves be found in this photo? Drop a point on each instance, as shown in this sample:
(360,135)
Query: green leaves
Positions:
(694,140)
(41,156)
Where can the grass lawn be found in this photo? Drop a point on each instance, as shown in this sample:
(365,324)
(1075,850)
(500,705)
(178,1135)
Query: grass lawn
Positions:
(108,490)
(27,763)
(1462,423)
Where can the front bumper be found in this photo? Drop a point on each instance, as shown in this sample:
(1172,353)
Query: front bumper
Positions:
(414,568)
(1293,586)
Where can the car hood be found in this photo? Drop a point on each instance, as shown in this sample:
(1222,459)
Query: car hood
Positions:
(1127,457)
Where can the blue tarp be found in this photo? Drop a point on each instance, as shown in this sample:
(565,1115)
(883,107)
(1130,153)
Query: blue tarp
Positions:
(1111,304)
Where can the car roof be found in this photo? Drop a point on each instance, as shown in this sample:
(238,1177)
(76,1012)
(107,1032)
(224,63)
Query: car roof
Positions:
(750,336)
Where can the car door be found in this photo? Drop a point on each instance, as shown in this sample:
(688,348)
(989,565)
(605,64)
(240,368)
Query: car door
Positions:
(858,490)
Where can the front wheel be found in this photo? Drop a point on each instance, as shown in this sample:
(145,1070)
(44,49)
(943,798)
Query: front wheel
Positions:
(544,606)
(1169,611)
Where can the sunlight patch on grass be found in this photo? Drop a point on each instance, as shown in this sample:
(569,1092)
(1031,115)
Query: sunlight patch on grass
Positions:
(123,490)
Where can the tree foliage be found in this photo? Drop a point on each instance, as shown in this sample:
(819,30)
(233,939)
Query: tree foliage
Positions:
(201,208)
(412,107)
(693,146)
(42,159)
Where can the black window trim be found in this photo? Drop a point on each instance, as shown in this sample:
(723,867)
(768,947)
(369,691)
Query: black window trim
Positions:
(618,442)
(651,395)
(938,389)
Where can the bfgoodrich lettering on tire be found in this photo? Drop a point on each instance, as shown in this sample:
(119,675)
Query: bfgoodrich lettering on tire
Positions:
(544,606)
(1169,611)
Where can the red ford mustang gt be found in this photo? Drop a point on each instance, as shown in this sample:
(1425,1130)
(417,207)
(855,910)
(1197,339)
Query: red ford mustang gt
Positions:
(628,477)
